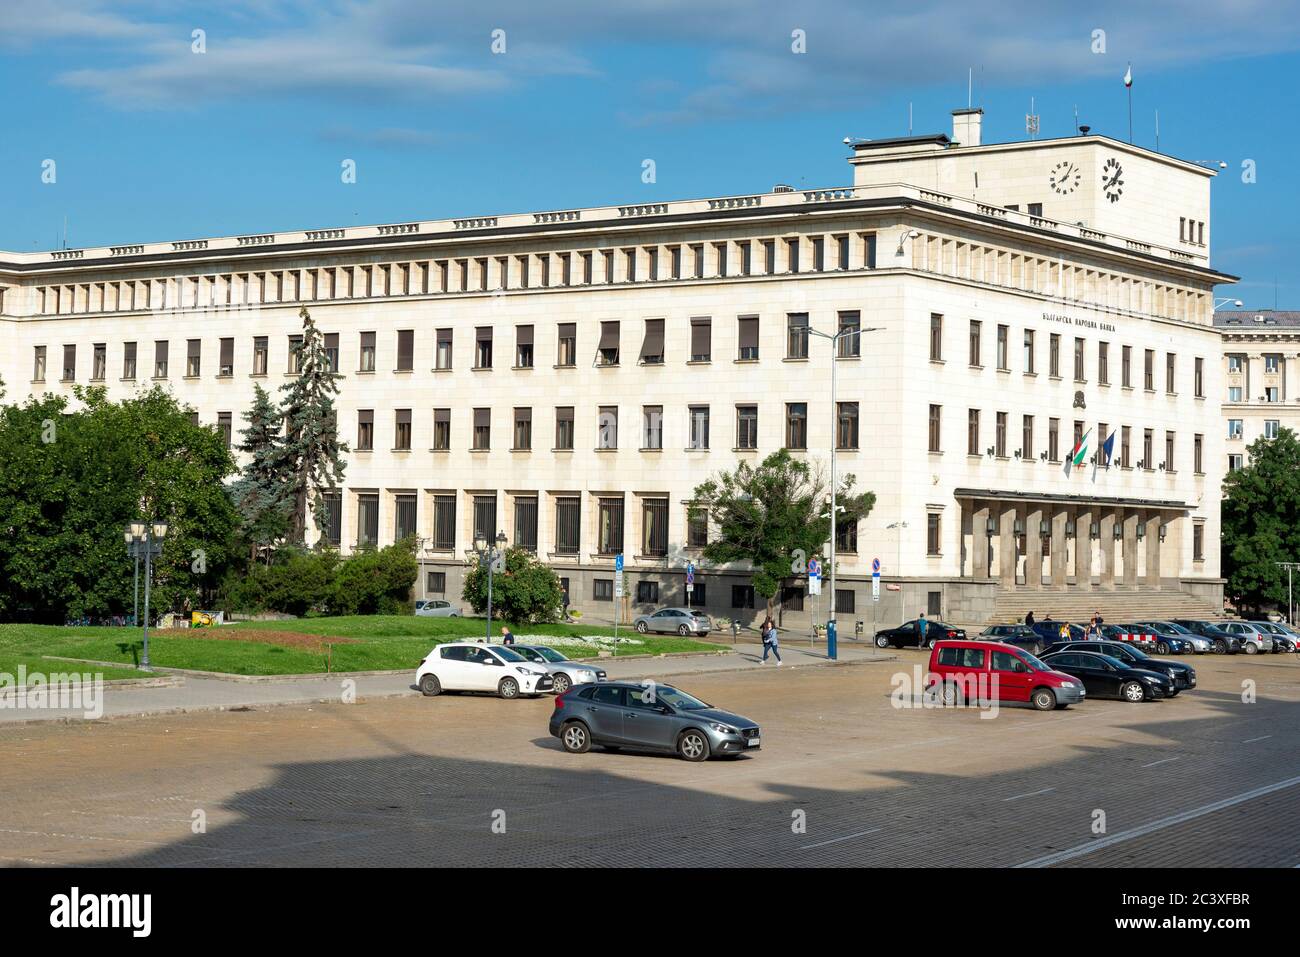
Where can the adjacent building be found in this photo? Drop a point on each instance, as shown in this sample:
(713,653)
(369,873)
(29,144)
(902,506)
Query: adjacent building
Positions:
(567,378)
(1261,364)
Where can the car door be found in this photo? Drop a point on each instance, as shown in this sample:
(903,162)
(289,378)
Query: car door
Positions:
(483,669)
(603,712)
(1104,676)
(660,621)
(1076,666)
(644,722)
(451,667)
(1013,677)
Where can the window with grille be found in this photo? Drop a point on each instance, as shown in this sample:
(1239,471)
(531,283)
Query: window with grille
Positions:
(697,528)
(332,518)
(444,522)
(609,526)
(437,583)
(602,589)
(742,596)
(526,522)
(647,592)
(932,529)
(845,601)
(403,516)
(792,597)
(367,520)
(568,525)
(654,526)
(485,519)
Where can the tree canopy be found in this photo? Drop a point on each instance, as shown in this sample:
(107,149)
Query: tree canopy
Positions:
(1260,515)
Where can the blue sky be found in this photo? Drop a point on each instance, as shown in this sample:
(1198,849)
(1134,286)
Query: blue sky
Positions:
(154,141)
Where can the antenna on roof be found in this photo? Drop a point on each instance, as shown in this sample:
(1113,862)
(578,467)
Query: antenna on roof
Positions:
(970,86)
(909,117)
(1031,120)
(1157,131)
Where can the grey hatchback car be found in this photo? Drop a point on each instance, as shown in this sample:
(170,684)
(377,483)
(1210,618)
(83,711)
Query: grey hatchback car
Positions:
(649,717)
(677,621)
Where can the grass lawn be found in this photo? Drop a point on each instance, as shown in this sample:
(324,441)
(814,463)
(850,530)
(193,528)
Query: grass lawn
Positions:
(304,646)
(25,644)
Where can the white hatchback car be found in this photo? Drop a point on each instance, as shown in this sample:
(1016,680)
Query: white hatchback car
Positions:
(474,666)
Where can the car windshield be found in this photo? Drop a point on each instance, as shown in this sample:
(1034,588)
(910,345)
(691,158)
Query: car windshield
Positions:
(505,653)
(1034,663)
(1178,629)
(550,654)
(680,700)
(1110,660)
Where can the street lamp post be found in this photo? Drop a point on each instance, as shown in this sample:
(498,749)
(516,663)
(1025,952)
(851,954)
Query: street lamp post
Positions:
(898,566)
(1290,606)
(834,341)
(489,554)
(144,540)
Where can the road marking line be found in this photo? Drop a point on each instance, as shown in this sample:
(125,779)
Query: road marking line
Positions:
(847,837)
(1017,797)
(1161,761)
(1158,825)
(1260,738)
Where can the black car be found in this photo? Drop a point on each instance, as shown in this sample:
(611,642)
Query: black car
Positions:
(1107,677)
(908,634)
(1183,676)
(1020,636)
(1224,643)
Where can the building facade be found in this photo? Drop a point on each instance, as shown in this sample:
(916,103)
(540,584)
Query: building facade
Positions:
(568,378)
(1261,366)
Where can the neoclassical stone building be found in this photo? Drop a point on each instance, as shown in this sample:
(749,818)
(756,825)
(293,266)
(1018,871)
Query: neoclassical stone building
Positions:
(566,378)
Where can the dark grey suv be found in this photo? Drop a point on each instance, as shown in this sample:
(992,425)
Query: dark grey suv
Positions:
(648,717)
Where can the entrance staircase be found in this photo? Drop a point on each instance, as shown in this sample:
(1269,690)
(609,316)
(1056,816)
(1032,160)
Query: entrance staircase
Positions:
(1118,606)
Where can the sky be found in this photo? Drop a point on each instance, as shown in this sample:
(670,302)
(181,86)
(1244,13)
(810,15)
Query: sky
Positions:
(157,132)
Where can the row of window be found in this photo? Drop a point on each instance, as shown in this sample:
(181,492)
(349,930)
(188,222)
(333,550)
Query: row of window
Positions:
(1028,450)
(1029,357)
(1191,231)
(1237,430)
(705,260)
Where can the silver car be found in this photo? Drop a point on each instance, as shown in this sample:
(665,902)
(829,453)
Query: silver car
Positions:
(1253,640)
(564,672)
(436,608)
(674,621)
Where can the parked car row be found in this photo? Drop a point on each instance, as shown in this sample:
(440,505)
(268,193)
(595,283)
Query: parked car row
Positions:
(1177,637)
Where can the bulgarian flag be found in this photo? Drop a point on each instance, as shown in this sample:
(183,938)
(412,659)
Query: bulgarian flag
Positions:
(1078,454)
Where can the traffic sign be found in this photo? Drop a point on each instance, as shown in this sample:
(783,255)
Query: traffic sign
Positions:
(875,566)
(690,573)
(618,562)
(618,583)
(814,577)
(875,587)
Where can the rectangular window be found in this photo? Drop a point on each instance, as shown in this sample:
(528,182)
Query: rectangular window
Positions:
(1149,370)
(1126,367)
(526,522)
(1198,542)
(932,536)
(160,348)
(332,521)
(792,597)
(443,349)
(405,350)
(1170,360)
(607,427)
(1272,362)
(367,358)
(850,333)
(367,520)
(99,361)
(1198,454)
(564,427)
(846,425)
(1103,363)
(444,522)
(846,537)
(295,354)
(742,596)
(652,346)
(1027,438)
(441,430)
(1235,363)
(38,366)
(845,601)
(568,525)
(1235,462)
(607,351)
(697,528)
(972,431)
(1054,355)
(701,340)
(482,430)
(936,337)
(1147,450)
(485,518)
(436,583)
(128,361)
(647,592)
(976,350)
(1198,379)
(819,253)
(1270,428)
(1234,393)
(1004,360)
(796,340)
(1000,435)
(602,589)
(652,427)
(609,526)
(796,425)
(699,426)
(226,357)
(403,515)
(523,435)
(402,430)
(792,255)
(1029,351)
(1234,428)
(483,347)
(1054,440)
(193,357)
(566,352)
(1169,452)
(225,428)
(1270,393)
(935,436)
(365,430)
(331,351)
(746,426)
(654,527)
(1125,434)
(747,337)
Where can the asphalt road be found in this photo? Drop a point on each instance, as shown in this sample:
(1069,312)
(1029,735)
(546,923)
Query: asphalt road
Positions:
(844,778)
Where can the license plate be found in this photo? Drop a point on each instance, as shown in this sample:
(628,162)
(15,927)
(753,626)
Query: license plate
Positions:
(752,742)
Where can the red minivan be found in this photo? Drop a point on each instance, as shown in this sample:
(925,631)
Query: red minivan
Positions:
(974,671)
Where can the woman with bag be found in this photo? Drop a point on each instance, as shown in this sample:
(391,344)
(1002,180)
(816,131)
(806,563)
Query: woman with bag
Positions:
(770,643)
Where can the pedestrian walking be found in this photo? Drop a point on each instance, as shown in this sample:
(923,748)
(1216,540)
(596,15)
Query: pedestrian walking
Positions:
(1100,620)
(1094,630)
(1029,619)
(507,636)
(770,642)
(1064,631)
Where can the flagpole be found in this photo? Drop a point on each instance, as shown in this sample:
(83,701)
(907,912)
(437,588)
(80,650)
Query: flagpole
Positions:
(1128,85)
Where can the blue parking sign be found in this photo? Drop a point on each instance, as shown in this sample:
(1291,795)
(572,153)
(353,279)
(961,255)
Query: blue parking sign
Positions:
(618,562)
(690,573)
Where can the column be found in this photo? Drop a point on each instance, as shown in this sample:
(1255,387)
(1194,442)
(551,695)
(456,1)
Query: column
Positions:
(1153,549)
(1083,519)
(1007,546)
(1106,548)
(1034,547)
(980,540)
(1060,544)
(1131,519)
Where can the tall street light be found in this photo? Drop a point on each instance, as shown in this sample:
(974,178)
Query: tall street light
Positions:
(898,565)
(144,540)
(835,427)
(489,553)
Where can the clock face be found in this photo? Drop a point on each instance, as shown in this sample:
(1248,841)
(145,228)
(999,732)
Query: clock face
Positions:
(1112,180)
(1065,177)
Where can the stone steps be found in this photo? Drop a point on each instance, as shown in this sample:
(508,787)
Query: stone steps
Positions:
(1120,605)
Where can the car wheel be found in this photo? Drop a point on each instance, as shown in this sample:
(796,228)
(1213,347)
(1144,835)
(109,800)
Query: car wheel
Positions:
(693,745)
(641,627)
(1044,699)
(508,688)
(430,686)
(1132,691)
(1220,646)
(1252,648)
(1162,648)
(951,695)
(882,641)
(932,643)
(561,683)
(683,630)
(575,738)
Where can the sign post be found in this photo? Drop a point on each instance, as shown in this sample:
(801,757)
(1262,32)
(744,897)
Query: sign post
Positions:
(875,594)
(815,591)
(618,596)
(690,583)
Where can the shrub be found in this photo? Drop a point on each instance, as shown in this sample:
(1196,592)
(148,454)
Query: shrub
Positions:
(525,591)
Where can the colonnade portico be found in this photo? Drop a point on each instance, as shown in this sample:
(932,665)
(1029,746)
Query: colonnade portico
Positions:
(1021,540)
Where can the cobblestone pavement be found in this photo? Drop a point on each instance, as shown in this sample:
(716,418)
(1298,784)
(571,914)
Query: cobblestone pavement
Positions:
(1203,779)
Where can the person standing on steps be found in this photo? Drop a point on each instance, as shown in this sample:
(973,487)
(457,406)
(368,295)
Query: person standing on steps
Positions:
(770,642)
(1029,619)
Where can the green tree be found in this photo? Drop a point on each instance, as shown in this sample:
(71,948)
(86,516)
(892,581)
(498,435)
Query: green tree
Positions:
(524,591)
(1260,518)
(311,456)
(70,481)
(375,582)
(262,494)
(775,517)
